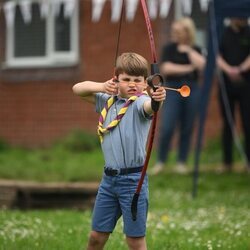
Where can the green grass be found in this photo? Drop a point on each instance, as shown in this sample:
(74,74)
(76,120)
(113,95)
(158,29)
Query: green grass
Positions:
(218,218)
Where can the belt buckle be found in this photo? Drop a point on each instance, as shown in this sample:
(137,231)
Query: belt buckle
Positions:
(114,172)
(111,171)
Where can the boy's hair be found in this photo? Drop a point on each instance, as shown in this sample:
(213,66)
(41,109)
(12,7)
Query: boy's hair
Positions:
(132,64)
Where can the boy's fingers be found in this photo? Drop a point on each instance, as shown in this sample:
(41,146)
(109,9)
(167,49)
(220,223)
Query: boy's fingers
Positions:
(160,92)
(159,95)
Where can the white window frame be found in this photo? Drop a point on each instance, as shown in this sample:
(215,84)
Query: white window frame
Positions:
(52,57)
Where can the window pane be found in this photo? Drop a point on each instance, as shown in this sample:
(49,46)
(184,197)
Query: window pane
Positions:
(62,31)
(30,38)
(199,17)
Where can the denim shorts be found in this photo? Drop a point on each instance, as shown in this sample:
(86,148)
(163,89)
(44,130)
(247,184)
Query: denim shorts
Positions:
(114,199)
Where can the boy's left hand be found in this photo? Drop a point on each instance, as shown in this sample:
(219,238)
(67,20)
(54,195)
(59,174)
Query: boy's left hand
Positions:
(159,95)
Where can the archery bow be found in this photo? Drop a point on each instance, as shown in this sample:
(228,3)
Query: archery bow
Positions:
(155,107)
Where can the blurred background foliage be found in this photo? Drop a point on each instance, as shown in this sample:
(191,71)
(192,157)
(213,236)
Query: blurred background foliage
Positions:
(78,157)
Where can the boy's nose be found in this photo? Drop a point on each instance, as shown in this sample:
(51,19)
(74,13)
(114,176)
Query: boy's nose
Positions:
(131,83)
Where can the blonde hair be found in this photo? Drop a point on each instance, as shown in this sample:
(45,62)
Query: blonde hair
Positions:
(189,26)
(132,64)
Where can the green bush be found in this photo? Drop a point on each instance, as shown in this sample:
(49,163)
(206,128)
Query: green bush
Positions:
(3,145)
(79,141)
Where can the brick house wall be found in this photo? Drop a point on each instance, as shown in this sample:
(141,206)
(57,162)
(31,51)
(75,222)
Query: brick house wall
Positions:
(38,106)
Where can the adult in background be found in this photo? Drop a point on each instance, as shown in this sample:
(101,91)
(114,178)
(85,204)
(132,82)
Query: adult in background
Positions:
(234,61)
(181,63)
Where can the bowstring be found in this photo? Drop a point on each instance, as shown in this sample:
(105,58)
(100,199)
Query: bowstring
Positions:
(116,56)
(154,67)
(119,35)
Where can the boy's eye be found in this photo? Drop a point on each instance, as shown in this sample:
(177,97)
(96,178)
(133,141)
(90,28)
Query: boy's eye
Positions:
(126,80)
(137,80)
(130,80)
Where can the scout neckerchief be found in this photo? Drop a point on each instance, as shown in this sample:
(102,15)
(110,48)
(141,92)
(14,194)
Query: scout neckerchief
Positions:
(101,130)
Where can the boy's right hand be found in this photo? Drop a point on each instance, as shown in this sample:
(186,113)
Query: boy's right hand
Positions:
(111,87)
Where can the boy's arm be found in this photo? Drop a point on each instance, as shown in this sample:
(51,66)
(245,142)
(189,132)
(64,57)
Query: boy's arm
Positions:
(159,96)
(88,89)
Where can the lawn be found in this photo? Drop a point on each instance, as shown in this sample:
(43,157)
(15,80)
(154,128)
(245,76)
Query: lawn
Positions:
(218,218)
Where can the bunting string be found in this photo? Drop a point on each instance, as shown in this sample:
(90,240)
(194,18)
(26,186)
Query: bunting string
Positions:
(157,8)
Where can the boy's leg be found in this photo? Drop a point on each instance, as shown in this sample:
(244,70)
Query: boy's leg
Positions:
(135,231)
(138,243)
(105,214)
(97,240)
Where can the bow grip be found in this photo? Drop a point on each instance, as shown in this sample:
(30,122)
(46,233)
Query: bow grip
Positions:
(154,81)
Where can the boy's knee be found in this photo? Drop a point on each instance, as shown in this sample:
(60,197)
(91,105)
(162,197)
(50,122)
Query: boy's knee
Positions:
(136,243)
(98,238)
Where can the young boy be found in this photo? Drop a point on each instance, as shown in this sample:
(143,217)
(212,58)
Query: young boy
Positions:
(123,129)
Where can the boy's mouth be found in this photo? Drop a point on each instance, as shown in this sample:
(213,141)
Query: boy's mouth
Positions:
(132,91)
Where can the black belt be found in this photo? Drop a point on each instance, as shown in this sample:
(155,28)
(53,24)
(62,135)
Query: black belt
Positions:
(122,171)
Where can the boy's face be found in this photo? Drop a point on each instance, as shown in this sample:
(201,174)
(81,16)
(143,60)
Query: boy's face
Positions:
(130,85)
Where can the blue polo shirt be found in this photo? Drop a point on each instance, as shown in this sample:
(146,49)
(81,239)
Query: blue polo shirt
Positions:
(131,132)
